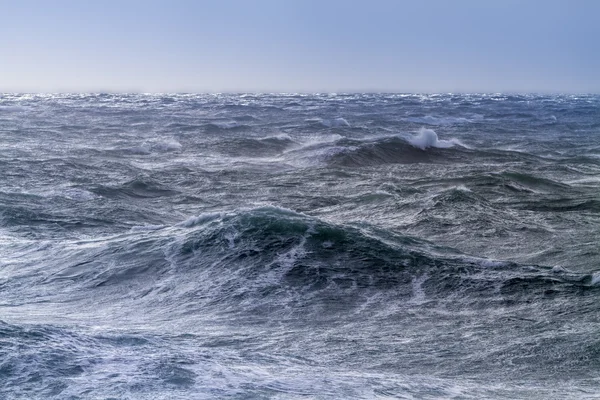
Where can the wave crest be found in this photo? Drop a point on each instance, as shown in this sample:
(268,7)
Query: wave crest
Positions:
(427,138)
(270,260)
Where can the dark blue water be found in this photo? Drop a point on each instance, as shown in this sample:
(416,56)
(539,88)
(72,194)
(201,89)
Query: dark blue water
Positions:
(299,246)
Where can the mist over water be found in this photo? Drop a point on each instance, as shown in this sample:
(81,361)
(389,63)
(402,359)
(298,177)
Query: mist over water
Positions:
(299,246)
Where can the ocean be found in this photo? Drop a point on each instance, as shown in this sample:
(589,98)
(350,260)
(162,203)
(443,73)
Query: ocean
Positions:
(299,246)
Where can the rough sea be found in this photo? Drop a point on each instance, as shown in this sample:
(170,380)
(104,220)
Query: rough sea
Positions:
(290,246)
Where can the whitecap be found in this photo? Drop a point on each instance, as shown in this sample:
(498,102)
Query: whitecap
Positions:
(417,288)
(595,279)
(144,148)
(143,228)
(199,219)
(288,259)
(168,145)
(558,269)
(427,138)
(279,136)
(337,123)
(331,123)
(156,146)
(486,262)
(310,141)
(70,193)
(78,194)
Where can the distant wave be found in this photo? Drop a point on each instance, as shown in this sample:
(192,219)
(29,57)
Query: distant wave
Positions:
(425,147)
(137,188)
(257,146)
(298,245)
(225,125)
(431,120)
(149,147)
(331,123)
(428,138)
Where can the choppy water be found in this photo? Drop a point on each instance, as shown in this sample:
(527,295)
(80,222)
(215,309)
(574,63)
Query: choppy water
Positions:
(299,246)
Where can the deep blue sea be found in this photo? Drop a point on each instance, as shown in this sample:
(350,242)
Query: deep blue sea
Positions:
(295,246)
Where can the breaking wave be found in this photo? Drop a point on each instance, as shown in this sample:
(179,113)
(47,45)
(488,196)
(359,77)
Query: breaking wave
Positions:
(427,138)
(273,261)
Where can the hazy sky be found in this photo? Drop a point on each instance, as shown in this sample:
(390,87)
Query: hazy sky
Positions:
(300,45)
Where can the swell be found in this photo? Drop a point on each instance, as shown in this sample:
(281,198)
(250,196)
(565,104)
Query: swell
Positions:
(272,261)
(564,204)
(135,188)
(425,148)
(257,147)
(392,150)
(218,127)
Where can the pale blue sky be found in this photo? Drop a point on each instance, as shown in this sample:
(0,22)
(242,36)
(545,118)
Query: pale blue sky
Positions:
(306,46)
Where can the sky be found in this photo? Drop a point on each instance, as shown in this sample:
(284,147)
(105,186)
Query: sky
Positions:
(300,46)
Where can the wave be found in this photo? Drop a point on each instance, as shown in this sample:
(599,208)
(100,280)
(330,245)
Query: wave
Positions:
(425,147)
(167,145)
(431,120)
(524,181)
(147,148)
(508,182)
(427,138)
(183,127)
(301,151)
(331,123)
(136,188)
(273,261)
(35,221)
(566,204)
(458,194)
(258,147)
(313,147)
(225,126)
(246,118)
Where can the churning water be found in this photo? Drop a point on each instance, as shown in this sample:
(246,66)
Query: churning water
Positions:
(299,246)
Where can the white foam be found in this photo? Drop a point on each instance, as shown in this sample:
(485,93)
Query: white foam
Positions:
(231,237)
(320,139)
(289,258)
(199,219)
(70,193)
(595,279)
(168,145)
(79,194)
(314,148)
(417,288)
(584,181)
(156,146)
(463,188)
(488,263)
(144,148)
(559,269)
(144,228)
(427,138)
(227,124)
(280,136)
(332,123)
(328,244)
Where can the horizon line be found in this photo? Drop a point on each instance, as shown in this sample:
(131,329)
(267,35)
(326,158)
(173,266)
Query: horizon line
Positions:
(333,92)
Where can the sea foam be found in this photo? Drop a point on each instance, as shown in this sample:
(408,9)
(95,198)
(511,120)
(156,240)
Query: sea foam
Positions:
(332,123)
(428,138)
